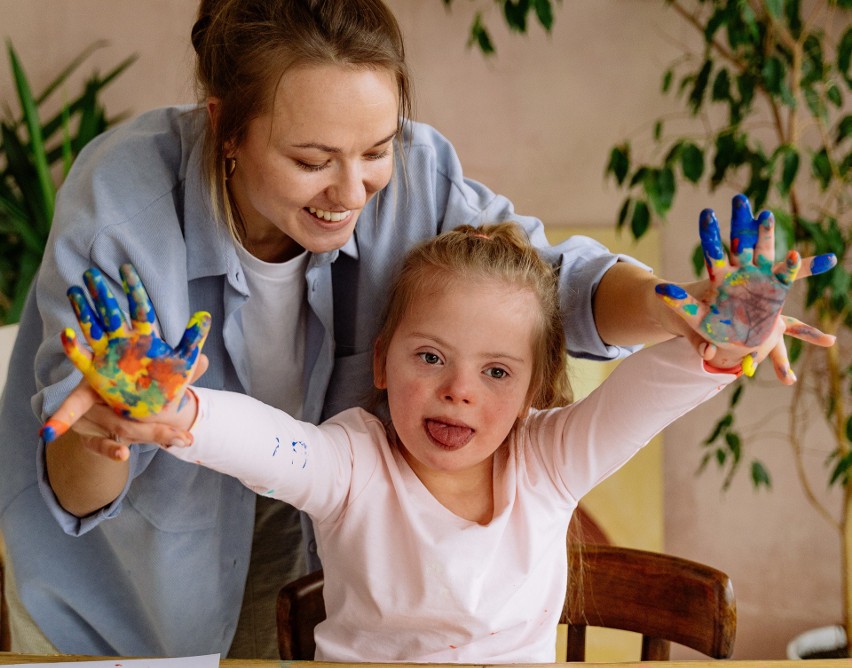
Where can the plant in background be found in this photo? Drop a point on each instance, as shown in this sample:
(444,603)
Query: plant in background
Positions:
(32,154)
(515,13)
(766,99)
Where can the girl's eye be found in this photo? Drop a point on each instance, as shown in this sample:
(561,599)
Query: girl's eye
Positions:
(496,372)
(429,358)
(310,167)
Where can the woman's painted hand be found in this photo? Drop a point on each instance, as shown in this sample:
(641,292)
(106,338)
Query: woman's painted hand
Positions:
(130,368)
(740,314)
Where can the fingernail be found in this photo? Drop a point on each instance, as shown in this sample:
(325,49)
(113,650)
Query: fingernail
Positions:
(749,367)
(53,429)
(702,349)
(177,443)
(119,454)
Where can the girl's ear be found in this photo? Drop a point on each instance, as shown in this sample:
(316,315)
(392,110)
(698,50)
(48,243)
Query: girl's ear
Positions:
(379,359)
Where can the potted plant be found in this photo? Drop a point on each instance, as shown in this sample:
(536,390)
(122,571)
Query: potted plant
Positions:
(35,156)
(766,97)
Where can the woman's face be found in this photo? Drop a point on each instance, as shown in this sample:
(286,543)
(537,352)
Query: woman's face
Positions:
(307,168)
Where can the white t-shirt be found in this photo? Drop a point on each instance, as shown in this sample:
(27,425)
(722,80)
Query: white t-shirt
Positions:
(274,321)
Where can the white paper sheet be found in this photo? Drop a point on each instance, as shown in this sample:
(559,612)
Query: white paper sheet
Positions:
(208,661)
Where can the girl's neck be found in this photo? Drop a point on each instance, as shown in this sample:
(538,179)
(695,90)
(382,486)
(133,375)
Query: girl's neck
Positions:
(468,494)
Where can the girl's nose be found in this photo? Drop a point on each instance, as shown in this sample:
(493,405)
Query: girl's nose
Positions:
(458,388)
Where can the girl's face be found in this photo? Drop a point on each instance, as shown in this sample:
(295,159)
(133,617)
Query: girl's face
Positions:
(306,169)
(457,373)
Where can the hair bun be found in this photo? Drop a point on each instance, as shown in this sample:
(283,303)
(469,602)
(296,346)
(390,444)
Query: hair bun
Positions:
(198,31)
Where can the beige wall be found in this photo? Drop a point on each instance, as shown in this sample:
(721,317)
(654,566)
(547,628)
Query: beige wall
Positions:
(536,124)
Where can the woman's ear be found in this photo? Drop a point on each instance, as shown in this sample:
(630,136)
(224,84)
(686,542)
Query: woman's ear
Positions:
(213,106)
(213,110)
(379,359)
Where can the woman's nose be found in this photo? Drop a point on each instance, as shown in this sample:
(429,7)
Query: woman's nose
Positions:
(348,189)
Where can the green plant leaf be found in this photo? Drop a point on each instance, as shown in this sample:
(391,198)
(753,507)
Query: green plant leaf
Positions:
(641,219)
(692,162)
(821,168)
(660,187)
(623,212)
(789,170)
(775,7)
(760,476)
(46,190)
(544,13)
(619,163)
(479,36)
(844,55)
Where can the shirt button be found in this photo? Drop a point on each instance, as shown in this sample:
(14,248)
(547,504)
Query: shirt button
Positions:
(312,546)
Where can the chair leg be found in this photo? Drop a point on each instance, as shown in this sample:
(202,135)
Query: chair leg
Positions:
(5,634)
(655,649)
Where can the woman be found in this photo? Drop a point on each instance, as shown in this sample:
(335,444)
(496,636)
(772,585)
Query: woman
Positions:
(245,206)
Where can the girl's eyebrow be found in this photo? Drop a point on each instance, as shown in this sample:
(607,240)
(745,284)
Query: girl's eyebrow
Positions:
(494,355)
(333,149)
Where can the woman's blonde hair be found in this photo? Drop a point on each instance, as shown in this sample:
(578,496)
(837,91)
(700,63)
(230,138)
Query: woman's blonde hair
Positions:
(501,253)
(245,47)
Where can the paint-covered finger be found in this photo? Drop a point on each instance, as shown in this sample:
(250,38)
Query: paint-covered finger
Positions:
(89,321)
(781,363)
(681,302)
(79,356)
(765,248)
(76,404)
(787,273)
(711,244)
(807,333)
(111,316)
(138,303)
(743,231)
(193,338)
(816,264)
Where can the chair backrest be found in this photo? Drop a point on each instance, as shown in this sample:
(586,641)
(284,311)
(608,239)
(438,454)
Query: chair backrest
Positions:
(662,597)
(300,607)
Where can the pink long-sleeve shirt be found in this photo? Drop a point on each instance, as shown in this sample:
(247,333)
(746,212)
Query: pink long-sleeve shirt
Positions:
(405,578)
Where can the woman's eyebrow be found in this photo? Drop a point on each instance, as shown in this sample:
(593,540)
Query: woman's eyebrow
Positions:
(334,149)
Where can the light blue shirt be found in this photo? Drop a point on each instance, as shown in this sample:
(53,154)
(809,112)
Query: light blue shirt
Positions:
(161,570)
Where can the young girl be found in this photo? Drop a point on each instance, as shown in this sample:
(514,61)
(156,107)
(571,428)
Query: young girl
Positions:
(442,529)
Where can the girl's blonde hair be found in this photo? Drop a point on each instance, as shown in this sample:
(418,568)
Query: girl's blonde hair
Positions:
(245,47)
(500,253)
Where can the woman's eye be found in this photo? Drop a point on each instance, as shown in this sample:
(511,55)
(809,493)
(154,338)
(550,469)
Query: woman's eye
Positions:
(429,358)
(378,156)
(497,373)
(311,167)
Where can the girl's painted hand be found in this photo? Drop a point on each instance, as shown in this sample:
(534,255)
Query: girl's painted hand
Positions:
(131,369)
(740,314)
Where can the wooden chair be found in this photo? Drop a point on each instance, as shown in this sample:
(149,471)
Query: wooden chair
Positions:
(662,597)
(5,636)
